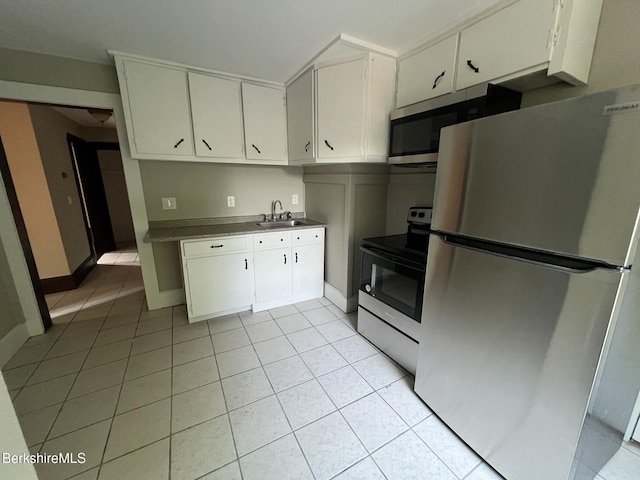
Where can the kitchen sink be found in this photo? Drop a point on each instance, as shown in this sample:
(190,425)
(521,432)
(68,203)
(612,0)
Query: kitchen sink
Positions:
(280,224)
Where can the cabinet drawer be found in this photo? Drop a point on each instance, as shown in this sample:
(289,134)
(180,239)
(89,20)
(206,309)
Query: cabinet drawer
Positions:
(214,246)
(301,237)
(271,240)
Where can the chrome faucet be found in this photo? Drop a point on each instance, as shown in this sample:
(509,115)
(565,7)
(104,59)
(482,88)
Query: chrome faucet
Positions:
(273,209)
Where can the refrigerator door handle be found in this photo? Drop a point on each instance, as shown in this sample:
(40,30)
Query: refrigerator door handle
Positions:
(535,257)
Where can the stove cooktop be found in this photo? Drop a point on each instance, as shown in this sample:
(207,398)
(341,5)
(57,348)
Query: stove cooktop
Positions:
(399,246)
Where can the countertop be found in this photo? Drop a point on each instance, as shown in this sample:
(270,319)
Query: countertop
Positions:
(188,232)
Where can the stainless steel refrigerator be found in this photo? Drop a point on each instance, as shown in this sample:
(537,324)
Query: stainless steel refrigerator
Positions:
(530,335)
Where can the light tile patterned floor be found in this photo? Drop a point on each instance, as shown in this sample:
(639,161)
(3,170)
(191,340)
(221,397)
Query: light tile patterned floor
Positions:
(293,393)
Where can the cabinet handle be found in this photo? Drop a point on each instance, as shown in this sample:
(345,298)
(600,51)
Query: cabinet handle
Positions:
(246,265)
(257,149)
(217,246)
(297,238)
(328,144)
(306,147)
(179,142)
(205,142)
(296,257)
(285,258)
(438,78)
(260,241)
(472,66)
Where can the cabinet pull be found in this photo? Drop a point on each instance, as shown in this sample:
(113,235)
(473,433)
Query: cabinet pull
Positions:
(205,142)
(285,258)
(438,78)
(296,257)
(179,142)
(217,246)
(472,66)
(328,144)
(257,149)
(306,147)
(246,265)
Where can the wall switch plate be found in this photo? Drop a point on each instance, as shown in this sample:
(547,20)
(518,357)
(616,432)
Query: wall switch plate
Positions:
(231,201)
(294,199)
(169,203)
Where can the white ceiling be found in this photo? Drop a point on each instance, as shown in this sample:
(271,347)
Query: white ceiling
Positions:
(82,117)
(268,39)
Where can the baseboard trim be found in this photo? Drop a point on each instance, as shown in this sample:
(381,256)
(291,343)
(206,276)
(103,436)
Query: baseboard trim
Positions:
(12,341)
(68,282)
(336,297)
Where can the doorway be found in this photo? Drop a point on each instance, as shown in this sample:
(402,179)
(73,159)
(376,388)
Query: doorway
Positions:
(71,184)
(94,200)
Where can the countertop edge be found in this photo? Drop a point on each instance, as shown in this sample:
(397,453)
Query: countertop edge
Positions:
(175,234)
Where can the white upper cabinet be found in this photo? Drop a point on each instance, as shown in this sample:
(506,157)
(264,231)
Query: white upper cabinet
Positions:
(514,39)
(265,122)
(347,107)
(546,38)
(340,103)
(427,73)
(158,114)
(217,116)
(300,118)
(176,113)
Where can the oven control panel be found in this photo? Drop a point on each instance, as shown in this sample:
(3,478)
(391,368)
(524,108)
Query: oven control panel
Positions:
(419,215)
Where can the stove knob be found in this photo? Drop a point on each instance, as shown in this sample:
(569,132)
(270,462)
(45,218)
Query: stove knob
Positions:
(413,214)
(421,214)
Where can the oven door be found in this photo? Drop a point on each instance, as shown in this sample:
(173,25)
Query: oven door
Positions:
(395,281)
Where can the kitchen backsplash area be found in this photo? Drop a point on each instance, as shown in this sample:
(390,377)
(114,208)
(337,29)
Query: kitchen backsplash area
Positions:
(201,190)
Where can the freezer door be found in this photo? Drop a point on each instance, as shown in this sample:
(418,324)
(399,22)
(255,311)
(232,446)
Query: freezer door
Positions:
(561,177)
(508,355)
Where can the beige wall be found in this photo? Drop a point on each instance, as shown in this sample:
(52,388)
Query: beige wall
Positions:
(616,58)
(326,202)
(408,187)
(352,201)
(40,69)
(51,130)
(32,189)
(201,191)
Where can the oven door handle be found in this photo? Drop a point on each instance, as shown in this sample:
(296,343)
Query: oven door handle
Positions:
(393,258)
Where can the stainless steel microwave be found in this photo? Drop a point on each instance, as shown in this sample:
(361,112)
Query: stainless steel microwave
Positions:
(415,129)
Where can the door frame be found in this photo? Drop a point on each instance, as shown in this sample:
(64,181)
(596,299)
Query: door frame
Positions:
(89,213)
(83,98)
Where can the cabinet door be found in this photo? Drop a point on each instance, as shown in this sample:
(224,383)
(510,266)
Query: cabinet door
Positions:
(272,274)
(300,117)
(340,110)
(307,269)
(265,124)
(217,116)
(428,73)
(513,39)
(217,283)
(159,106)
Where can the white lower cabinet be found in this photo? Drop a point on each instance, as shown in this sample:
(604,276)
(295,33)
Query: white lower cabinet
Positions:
(307,270)
(224,275)
(272,273)
(218,283)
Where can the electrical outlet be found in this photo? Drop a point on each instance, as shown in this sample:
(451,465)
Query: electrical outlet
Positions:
(294,199)
(169,203)
(231,201)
